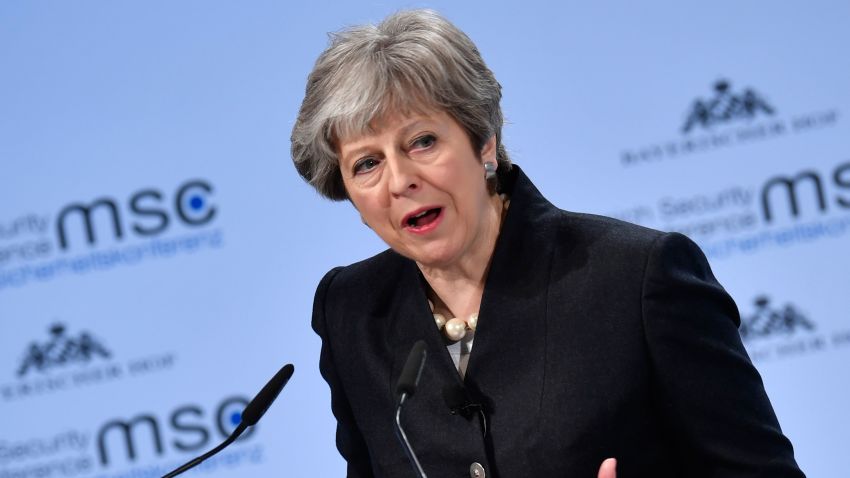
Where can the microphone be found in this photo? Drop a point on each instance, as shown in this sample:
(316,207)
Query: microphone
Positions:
(405,388)
(250,416)
(460,403)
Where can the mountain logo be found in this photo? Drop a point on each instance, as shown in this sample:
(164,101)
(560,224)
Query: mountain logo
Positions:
(726,106)
(768,320)
(61,349)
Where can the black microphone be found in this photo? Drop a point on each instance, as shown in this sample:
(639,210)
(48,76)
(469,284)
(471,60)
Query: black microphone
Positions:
(405,388)
(460,403)
(250,416)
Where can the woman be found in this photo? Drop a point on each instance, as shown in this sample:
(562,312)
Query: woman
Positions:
(592,338)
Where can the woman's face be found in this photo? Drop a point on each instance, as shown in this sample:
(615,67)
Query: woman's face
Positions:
(418,183)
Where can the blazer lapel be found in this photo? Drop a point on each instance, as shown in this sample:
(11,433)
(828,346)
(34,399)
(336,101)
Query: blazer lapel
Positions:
(429,418)
(414,321)
(506,366)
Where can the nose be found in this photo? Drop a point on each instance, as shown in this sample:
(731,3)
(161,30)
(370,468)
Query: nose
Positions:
(404,175)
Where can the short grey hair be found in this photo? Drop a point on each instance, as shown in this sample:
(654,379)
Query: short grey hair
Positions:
(412,60)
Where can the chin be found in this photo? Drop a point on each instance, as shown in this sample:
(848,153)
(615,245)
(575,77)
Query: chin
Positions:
(439,257)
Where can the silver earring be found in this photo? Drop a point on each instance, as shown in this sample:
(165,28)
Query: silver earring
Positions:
(489,171)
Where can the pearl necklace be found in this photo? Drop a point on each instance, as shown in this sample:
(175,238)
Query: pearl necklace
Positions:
(454,328)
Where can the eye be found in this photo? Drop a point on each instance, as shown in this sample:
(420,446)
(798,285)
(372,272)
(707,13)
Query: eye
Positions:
(423,142)
(365,165)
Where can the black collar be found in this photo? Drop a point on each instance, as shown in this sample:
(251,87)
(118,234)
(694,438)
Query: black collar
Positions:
(505,370)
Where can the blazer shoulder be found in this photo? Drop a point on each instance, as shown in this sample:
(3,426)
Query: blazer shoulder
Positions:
(536,216)
(360,280)
(606,232)
(381,264)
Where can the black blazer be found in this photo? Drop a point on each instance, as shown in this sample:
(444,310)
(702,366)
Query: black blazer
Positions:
(596,339)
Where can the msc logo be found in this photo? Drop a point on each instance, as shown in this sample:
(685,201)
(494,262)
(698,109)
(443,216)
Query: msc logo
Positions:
(726,106)
(149,216)
(769,321)
(189,430)
(61,349)
(817,185)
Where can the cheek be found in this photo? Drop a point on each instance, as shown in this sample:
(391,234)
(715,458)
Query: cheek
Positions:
(374,212)
(366,201)
(469,188)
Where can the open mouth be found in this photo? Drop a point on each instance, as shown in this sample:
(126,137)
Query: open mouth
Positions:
(423,218)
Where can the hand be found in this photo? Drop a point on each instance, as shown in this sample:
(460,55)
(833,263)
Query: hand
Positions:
(608,469)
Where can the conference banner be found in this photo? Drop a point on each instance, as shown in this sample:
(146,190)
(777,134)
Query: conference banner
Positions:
(159,253)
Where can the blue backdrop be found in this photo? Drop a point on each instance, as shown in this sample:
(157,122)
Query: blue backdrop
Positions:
(159,254)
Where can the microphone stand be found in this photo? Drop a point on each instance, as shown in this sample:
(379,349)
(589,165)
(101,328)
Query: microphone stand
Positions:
(405,387)
(197,461)
(403,438)
(250,416)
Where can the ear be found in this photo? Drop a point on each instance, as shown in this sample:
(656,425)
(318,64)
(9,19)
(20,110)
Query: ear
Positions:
(488,151)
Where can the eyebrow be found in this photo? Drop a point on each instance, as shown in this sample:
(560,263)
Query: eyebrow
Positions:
(404,131)
(353,153)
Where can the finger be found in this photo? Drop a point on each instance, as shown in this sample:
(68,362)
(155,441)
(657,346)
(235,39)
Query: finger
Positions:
(608,468)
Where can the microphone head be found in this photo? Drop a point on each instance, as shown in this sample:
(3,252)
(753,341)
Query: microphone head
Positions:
(412,370)
(258,406)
